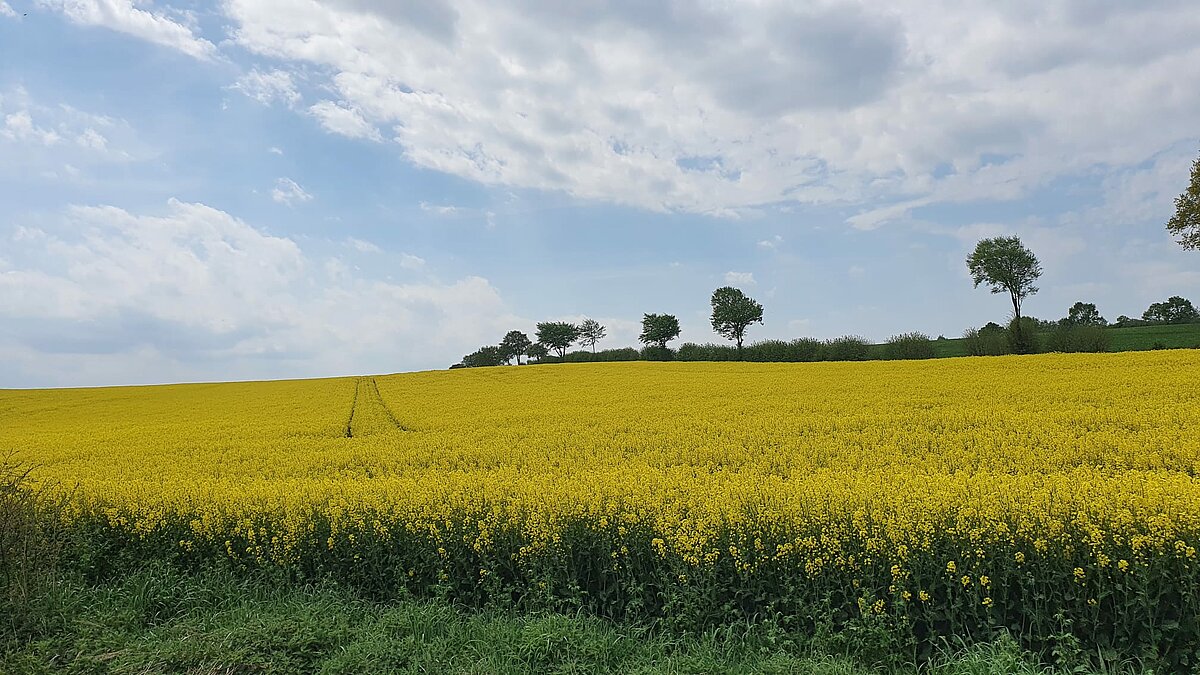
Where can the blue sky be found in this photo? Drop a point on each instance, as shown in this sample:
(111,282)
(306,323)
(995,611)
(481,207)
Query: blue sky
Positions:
(261,189)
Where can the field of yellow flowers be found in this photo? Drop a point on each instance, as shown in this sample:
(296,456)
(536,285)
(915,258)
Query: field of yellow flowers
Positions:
(1055,496)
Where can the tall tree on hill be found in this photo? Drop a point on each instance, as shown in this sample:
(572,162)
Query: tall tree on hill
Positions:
(557,335)
(591,332)
(536,350)
(732,313)
(1006,266)
(1174,310)
(1085,314)
(514,345)
(1185,224)
(659,329)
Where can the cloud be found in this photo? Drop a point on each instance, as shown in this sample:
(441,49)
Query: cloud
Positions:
(411,262)
(347,122)
(722,109)
(105,295)
(362,246)
(856,272)
(6,10)
(740,278)
(274,150)
(268,87)
(124,17)
(60,141)
(440,209)
(287,191)
(771,243)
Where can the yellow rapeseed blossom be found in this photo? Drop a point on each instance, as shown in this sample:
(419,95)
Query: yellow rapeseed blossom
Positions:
(863,471)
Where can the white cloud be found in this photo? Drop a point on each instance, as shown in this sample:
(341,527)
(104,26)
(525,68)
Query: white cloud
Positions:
(441,209)
(105,295)
(274,150)
(288,192)
(411,262)
(125,16)
(19,126)
(722,108)
(90,138)
(6,10)
(268,87)
(856,272)
(345,121)
(771,243)
(362,246)
(740,278)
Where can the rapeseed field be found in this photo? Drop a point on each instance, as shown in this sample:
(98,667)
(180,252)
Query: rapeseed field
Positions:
(1051,497)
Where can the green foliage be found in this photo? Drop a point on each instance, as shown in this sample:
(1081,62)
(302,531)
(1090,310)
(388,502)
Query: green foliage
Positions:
(1023,336)
(557,335)
(658,330)
(31,543)
(1174,310)
(990,340)
(602,356)
(732,313)
(591,332)
(657,353)
(1085,314)
(909,346)
(159,620)
(847,348)
(1073,337)
(1185,224)
(514,345)
(1006,266)
(766,351)
(536,351)
(490,355)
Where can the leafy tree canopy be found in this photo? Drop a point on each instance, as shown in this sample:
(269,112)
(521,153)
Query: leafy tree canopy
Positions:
(1006,266)
(1174,310)
(1085,314)
(591,332)
(1185,224)
(659,329)
(557,335)
(484,356)
(536,351)
(513,345)
(732,313)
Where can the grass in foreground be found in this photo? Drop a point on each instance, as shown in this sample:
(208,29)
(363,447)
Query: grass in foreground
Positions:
(159,621)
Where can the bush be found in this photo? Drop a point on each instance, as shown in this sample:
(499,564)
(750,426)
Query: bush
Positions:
(991,340)
(602,356)
(1077,338)
(909,346)
(654,353)
(690,351)
(1023,339)
(847,348)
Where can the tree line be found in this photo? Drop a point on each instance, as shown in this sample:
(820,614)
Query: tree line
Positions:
(1002,264)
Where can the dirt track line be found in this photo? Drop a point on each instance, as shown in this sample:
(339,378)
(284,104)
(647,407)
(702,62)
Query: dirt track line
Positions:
(353,406)
(386,408)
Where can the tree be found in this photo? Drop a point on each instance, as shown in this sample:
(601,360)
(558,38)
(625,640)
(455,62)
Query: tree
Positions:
(557,335)
(513,345)
(1006,266)
(732,313)
(484,356)
(1185,224)
(536,351)
(1174,310)
(659,329)
(1085,314)
(591,332)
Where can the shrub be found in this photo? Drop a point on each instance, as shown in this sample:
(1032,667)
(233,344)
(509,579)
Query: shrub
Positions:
(1077,338)
(847,348)
(991,340)
(656,353)
(602,356)
(690,351)
(1023,339)
(909,346)
(30,546)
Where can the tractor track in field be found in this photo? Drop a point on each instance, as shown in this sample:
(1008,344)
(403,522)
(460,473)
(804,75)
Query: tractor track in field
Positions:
(353,406)
(387,410)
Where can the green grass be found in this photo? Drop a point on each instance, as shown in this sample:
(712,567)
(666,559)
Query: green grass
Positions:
(160,621)
(1132,339)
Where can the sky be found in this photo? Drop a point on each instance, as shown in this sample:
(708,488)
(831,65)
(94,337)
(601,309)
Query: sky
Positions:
(256,189)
